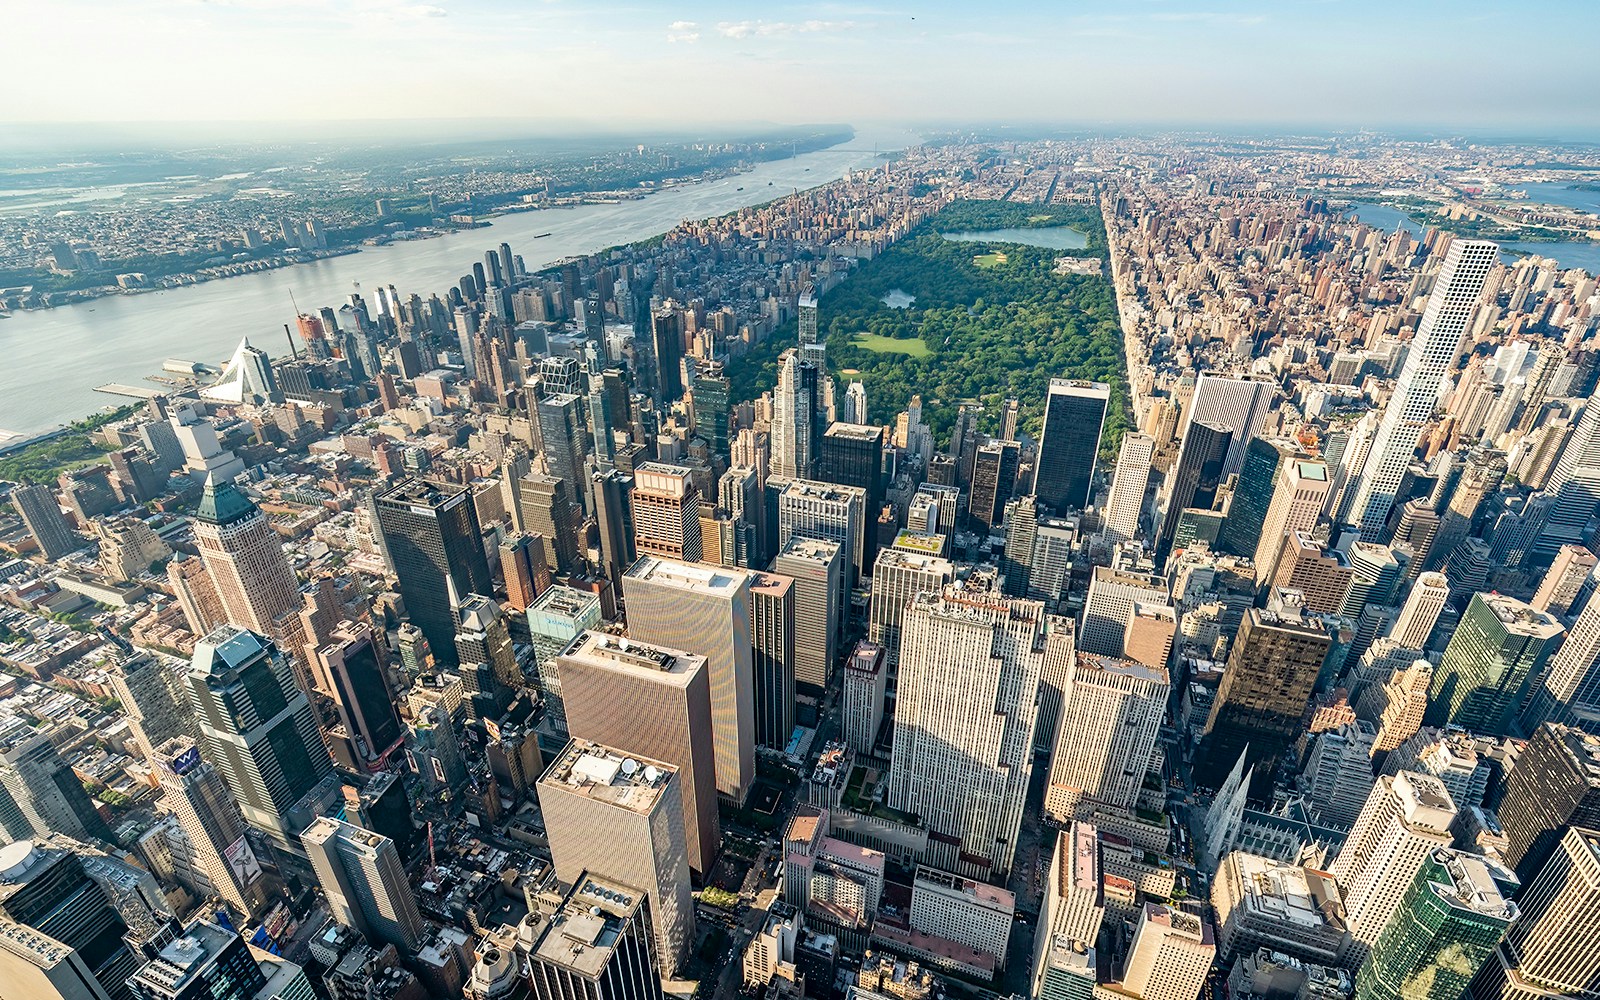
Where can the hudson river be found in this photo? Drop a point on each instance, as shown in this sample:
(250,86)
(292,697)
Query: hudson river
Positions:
(51,359)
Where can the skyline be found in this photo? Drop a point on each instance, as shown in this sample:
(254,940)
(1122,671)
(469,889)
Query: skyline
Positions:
(1434,67)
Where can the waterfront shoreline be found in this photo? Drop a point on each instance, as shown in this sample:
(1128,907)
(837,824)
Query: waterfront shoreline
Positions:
(570,200)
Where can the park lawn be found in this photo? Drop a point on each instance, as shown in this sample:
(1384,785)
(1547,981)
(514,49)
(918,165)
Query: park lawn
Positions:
(891,345)
(987,260)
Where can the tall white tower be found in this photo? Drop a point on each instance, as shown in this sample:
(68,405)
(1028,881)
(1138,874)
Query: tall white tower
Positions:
(1110,718)
(1405,818)
(1128,483)
(1421,611)
(968,700)
(1433,352)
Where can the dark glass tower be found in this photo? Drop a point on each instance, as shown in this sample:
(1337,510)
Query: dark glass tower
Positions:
(666,334)
(711,406)
(1444,929)
(1074,416)
(1556,783)
(1271,671)
(257,728)
(1196,476)
(994,476)
(432,535)
(852,455)
(1258,477)
(47,888)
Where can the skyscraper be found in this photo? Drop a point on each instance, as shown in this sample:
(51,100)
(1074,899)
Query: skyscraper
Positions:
(152,693)
(1433,352)
(666,512)
(548,513)
(898,577)
(1125,503)
(207,961)
(810,509)
(197,794)
(1555,783)
(1074,416)
(1499,645)
(1420,614)
(1298,496)
(852,455)
(46,791)
(709,394)
(432,535)
(1230,401)
(1170,954)
(364,882)
(772,655)
(655,703)
(1565,579)
(1405,819)
(599,945)
(817,568)
(564,434)
(611,813)
(994,476)
(613,516)
(1568,690)
(257,729)
(1574,484)
(966,707)
(1553,948)
(794,417)
(1253,493)
(351,671)
(42,516)
(45,889)
(705,610)
(1110,717)
(490,675)
(1272,669)
(523,567)
(558,617)
(1195,477)
(244,558)
(866,676)
(666,335)
(1448,921)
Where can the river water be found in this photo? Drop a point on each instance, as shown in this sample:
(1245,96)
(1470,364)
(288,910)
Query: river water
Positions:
(1572,253)
(53,358)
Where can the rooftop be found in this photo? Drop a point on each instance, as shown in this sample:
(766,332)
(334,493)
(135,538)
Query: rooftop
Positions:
(911,541)
(813,549)
(1127,668)
(982,892)
(1285,893)
(424,493)
(1471,886)
(688,576)
(583,933)
(631,654)
(1519,618)
(187,958)
(858,432)
(610,776)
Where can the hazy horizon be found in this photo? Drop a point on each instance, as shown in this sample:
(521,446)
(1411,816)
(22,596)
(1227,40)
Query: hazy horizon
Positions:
(1430,67)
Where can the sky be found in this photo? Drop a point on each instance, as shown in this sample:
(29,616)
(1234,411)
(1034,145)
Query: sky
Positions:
(1431,65)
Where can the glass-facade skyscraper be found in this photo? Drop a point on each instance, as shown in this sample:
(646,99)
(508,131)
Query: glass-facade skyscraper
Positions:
(1074,416)
(432,536)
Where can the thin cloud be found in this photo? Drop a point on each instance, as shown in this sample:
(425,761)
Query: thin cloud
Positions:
(779,29)
(683,31)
